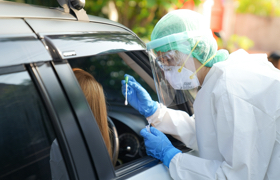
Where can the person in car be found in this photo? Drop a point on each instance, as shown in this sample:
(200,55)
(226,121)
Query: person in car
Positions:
(95,96)
(236,127)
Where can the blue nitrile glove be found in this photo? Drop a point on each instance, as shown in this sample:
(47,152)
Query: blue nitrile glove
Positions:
(158,145)
(138,97)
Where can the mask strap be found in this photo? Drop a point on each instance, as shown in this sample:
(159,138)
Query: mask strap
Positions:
(180,69)
(192,76)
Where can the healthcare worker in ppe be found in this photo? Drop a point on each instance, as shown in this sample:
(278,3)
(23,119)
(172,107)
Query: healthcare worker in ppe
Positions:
(236,127)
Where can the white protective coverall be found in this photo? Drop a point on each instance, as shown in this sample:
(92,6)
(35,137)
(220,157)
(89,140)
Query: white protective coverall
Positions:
(237,123)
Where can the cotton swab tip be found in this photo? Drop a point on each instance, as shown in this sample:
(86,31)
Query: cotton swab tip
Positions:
(126,79)
(125,102)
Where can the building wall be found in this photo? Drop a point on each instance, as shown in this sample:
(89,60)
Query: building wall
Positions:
(264,31)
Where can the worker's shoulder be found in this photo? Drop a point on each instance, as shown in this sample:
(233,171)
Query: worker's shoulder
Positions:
(241,65)
(250,77)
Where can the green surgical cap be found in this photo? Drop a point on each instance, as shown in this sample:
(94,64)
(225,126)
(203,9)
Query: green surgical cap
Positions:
(184,20)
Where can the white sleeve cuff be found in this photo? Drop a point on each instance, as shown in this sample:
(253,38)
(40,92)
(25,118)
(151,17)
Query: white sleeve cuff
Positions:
(156,118)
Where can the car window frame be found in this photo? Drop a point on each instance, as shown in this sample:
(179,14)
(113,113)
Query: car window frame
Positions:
(104,169)
(98,154)
(48,86)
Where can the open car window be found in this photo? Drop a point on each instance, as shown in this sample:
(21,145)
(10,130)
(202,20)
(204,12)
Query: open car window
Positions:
(109,71)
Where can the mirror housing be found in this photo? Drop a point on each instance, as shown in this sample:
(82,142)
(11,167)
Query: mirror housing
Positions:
(78,4)
(74,7)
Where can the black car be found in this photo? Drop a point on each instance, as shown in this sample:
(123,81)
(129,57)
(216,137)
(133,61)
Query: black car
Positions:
(41,101)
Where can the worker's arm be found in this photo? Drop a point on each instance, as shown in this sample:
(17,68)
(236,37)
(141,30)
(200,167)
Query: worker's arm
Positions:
(176,123)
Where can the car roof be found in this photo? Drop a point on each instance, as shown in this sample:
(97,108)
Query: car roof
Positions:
(25,26)
(20,10)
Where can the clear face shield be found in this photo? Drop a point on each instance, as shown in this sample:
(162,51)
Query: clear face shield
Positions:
(174,71)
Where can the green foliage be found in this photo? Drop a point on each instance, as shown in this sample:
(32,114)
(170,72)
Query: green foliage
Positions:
(94,7)
(138,15)
(236,42)
(266,8)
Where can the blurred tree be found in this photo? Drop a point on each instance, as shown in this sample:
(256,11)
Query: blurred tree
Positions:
(267,8)
(138,15)
(235,42)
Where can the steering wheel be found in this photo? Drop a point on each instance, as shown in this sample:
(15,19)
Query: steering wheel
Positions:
(114,140)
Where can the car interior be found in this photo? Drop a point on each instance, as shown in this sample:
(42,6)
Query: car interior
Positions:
(109,70)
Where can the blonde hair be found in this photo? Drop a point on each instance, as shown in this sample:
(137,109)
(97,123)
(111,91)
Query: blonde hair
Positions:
(95,96)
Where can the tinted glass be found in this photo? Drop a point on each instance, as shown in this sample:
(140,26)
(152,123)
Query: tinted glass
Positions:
(26,134)
(109,71)
(20,50)
(72,46)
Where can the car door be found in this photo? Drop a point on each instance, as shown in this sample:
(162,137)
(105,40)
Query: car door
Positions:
(40,135)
